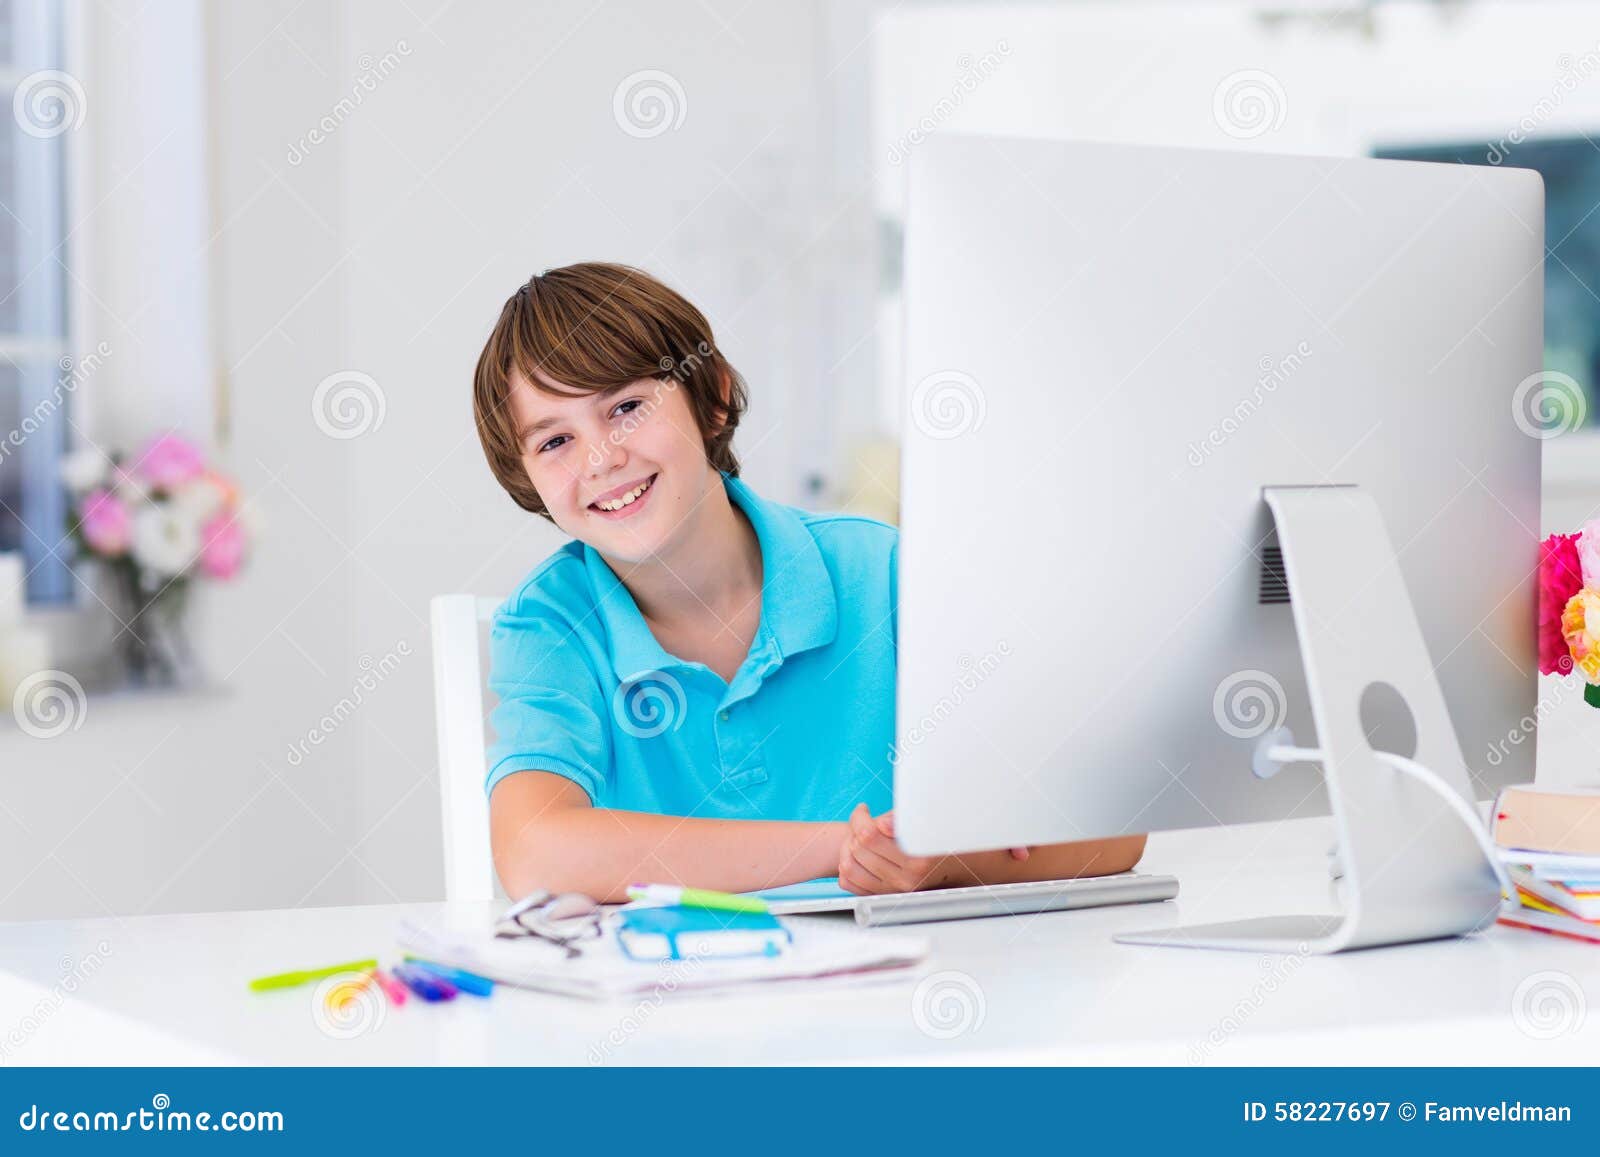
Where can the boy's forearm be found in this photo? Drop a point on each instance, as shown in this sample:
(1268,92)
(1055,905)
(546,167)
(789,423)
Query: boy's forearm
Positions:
(600,852)
(1046,862)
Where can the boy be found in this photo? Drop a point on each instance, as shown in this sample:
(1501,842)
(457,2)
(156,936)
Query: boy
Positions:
(699,688)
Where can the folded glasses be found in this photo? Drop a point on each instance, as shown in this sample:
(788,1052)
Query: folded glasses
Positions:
(561,918)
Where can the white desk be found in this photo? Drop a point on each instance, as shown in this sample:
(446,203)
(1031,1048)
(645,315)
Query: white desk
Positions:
(1055,989)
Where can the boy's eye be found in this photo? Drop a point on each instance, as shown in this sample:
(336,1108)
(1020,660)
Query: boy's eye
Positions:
(628,407)
(551,444)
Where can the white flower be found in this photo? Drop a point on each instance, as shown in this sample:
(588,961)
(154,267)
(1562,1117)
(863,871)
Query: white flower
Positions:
(83,470)
(200,499)
(165,540)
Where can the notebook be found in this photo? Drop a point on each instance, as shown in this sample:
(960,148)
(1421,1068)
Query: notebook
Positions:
(1583,902)
(603,971)
(1566,822)
(1553,865)
(672,932)
(1541,919)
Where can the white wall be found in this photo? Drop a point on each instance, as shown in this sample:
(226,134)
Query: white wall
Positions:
(493,152)
(488,151)
(161,803)
(144,277)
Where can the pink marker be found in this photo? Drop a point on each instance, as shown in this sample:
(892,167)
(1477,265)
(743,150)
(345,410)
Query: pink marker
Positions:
(392,988)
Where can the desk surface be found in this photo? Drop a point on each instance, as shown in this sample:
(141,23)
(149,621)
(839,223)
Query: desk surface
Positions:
(1052,988)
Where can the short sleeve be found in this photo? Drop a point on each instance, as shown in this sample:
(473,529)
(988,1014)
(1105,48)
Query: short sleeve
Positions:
(894,592)
(551,715)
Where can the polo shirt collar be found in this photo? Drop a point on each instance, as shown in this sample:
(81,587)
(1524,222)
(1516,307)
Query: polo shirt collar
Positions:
(799,609)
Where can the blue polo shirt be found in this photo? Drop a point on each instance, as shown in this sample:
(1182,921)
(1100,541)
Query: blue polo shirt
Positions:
(803,732)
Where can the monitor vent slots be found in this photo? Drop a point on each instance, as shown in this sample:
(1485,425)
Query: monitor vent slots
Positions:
(1274,586)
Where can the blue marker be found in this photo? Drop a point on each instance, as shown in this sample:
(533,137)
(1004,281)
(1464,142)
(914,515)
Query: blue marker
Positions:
(425,984)
(465,981)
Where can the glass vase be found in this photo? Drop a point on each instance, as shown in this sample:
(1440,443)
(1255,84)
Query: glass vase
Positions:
(149,636)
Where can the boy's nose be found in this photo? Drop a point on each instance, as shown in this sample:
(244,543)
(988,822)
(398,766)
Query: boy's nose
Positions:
(604,456)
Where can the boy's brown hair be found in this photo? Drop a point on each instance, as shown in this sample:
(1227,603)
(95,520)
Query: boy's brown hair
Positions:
(591,327)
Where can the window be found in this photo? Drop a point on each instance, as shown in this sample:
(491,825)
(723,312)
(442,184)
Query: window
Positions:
(43,106)
(1571,172)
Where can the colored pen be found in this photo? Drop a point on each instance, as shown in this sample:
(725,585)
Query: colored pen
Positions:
(425,984)
(392,988)
(290,979)
(465,981)
(695,898)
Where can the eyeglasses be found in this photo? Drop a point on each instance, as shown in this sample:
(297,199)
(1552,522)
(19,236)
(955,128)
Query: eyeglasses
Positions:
(560,918)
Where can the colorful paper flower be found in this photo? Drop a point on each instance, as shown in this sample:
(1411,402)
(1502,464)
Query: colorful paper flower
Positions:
(1560,578)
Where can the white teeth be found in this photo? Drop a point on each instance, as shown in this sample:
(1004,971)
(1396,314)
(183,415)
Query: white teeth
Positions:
(627,499)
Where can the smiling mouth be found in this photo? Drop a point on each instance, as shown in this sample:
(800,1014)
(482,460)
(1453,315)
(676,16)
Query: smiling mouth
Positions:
(621,501)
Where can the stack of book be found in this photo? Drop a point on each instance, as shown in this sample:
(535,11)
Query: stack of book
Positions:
(1550,842)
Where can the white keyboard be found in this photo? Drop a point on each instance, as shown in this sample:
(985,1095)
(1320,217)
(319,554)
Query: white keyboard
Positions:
(991,899)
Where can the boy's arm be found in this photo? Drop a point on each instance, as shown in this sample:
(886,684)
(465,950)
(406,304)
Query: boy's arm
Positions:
(1050,862)
(872,861)
(546,834)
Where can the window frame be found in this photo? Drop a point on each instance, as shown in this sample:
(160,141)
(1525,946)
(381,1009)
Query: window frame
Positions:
(47,193)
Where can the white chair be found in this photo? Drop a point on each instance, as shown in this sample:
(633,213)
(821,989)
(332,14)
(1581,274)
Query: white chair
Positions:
(458,707)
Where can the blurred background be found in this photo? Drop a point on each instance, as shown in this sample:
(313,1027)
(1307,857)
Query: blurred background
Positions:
(249,254)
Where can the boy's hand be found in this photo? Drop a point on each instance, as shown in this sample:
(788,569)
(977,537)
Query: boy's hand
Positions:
(872,862)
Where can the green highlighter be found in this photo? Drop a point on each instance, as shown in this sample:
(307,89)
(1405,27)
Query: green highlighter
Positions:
(290,979)
(695,898)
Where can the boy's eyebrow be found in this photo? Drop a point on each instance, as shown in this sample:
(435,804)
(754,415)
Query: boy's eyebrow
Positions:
(535,427)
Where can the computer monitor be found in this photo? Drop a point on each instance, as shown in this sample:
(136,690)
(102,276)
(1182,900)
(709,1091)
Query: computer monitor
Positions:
(1180,424)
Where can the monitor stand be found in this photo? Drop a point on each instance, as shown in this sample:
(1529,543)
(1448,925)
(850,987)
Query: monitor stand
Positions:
(1412,871)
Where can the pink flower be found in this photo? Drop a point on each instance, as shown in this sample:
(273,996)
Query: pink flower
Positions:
(1560,577)
(1589,553)
(106,524)
(222,546)
(170,461)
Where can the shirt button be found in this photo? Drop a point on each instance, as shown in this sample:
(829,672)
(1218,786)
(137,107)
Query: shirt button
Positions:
(723,715)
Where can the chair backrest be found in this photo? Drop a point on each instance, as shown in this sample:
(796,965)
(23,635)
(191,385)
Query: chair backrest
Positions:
(458,708)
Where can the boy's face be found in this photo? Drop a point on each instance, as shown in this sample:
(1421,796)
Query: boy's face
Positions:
(589,456)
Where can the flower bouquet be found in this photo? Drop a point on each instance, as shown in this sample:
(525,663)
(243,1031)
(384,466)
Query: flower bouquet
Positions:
(1569,607)
(153,524)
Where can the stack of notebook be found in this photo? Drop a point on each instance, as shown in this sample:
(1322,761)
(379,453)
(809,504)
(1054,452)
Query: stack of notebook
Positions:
(1550,842)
